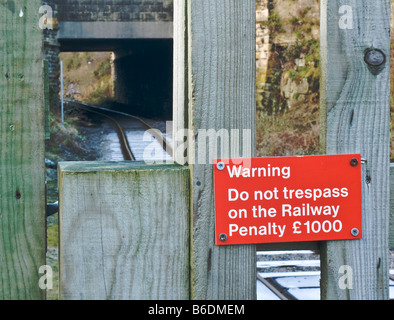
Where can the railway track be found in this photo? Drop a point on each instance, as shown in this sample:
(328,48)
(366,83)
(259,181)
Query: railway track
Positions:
(128,143)
(288,275)
(131,131)
(292,275)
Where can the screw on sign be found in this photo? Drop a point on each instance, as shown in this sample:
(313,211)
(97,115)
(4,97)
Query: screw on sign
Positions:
(288,199)
(355,232)
(220,166)
(354,162)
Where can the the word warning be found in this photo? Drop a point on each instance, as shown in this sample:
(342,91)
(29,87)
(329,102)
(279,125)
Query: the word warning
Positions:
(288,199)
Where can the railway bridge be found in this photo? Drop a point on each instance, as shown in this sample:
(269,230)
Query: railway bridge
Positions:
(138,32)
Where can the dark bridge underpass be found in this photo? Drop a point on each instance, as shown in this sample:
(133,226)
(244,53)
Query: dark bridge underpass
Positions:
(143,72)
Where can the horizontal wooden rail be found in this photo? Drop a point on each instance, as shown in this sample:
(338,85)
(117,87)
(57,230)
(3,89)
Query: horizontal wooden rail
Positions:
(124,231)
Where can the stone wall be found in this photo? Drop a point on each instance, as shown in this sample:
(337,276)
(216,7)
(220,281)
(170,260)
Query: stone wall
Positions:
(263,47)
(51,53)
(115,10)
(280,24)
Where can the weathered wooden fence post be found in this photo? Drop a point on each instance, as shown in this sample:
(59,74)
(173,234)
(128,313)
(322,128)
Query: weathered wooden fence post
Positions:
(391,224)
(22,133)
(355,45)
(215,99)
(124,230)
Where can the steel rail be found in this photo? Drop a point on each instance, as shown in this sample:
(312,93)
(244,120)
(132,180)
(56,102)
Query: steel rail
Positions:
(276,288)
(153,131)
(124,143)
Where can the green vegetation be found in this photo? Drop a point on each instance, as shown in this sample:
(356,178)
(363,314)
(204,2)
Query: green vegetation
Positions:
(88,76)
(101,95)
(102,70)
(287,120)
(52,254)
(72,63)
(274,24)
(289,125)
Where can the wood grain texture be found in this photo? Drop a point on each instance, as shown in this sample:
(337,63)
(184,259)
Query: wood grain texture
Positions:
(355,105)
(124,231)
(22,175)
(391,224)
(219,89)
(180,91)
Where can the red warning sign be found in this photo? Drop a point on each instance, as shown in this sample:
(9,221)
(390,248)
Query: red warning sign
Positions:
(288,199)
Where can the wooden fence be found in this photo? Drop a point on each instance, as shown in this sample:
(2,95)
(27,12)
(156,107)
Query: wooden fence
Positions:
(129,230)
(22,134)
(124,231)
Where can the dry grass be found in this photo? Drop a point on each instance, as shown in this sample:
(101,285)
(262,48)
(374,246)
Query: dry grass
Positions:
(66,143)
(87,76)
(283,135)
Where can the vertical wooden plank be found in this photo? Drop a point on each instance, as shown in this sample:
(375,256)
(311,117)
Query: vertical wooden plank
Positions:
(124,231)
(391,224)
(46,99)
(355,101)
(218,85)
(180,91)
(22,175)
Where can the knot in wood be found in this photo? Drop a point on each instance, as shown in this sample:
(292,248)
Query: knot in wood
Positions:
(375,57)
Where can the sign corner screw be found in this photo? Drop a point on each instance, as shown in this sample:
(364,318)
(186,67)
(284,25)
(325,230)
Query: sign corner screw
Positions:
(220,166)
(354,162)
(355,232)
(223,237)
